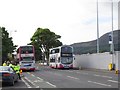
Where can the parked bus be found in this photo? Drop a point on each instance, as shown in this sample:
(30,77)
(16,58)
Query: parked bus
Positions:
(26,57)
(61,57)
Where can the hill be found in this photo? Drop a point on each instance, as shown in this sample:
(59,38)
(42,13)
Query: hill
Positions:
(91,46)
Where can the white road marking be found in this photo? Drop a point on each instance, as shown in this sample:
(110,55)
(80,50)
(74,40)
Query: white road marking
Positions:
(28,72)
(37,86)
(113,81)
(37,81)
(32,75)
(30,81)
(40,78)
(107,76)
(82,73)
(50,84)
(26,83)
(72,77)
(96,75)
(100,83)
(102,76)
(70,71)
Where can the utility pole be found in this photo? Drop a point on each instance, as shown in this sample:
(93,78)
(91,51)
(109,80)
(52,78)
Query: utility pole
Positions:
(112,45)
(97,30)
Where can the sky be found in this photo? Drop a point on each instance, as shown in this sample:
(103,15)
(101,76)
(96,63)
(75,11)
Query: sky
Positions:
(74,20)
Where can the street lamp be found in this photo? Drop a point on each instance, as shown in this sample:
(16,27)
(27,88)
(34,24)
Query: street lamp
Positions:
(97,30)
(112,44)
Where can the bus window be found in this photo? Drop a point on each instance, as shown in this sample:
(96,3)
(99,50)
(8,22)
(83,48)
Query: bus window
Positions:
(56,50)
(52,60)
(66,50)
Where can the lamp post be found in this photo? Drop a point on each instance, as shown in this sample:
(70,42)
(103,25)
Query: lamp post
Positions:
(112,44)
(112,47)
(97,30)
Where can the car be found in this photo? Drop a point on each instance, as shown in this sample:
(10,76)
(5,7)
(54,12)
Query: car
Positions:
(8,75)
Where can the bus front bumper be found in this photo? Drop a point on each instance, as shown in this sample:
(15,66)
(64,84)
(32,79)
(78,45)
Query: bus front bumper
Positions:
(27,69)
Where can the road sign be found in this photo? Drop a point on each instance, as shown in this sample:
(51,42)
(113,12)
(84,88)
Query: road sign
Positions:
(110,38)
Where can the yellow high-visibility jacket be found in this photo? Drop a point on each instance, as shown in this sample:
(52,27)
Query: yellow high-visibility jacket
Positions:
(4,64)
(17,68)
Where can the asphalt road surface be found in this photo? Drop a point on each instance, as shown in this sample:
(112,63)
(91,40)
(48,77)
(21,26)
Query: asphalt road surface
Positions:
(46,77)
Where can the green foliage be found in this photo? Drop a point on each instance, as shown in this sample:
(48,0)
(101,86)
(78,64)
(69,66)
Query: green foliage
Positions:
(7,44)
(44,38)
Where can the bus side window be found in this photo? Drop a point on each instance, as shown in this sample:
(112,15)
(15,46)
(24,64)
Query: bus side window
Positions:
(52,60)
(56,50)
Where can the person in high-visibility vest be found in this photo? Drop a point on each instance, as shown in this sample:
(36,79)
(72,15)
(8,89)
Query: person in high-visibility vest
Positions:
(5,64)
(12,65)
(17,69)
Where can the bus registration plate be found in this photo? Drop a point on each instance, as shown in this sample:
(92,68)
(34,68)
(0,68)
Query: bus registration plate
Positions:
(66,66)
(27,65)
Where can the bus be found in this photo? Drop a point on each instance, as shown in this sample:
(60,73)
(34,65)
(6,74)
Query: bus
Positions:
(26,57)
(61,57)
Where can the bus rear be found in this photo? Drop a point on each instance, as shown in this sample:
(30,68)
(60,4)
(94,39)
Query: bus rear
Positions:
(26,57)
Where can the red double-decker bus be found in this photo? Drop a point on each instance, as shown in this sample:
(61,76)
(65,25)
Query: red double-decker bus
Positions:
(26,57)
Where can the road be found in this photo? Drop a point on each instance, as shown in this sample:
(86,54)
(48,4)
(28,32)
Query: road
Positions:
(45,77)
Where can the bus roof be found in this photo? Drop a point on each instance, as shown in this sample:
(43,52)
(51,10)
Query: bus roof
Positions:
(59,47)
(25,45)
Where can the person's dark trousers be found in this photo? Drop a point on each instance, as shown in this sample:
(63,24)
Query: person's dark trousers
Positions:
(19,76)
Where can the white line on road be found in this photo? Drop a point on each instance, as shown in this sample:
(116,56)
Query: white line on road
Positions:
(37,86)
(40,78)
(30,81)
(70,71)
(96,75)
(26,83)
(100,83)
(113,81)
(82,73)
(107,76)
(102,76)
(28,72)
(72,77)
(50,84)
(32,75)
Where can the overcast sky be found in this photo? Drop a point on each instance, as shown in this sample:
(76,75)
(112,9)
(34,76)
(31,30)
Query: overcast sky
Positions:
(74,20)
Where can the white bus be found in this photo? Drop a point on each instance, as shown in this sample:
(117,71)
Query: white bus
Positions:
(26,57)
(61,57)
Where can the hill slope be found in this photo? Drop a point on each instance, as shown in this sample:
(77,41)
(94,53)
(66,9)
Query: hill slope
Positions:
(91,46)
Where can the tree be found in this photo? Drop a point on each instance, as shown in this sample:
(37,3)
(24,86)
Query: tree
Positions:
(7,44)
(45,39)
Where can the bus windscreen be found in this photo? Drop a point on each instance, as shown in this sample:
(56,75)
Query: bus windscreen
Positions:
(26,49)
(66,51)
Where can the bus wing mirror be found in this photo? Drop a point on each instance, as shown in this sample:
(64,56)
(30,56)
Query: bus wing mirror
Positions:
(74,58)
